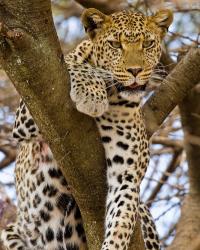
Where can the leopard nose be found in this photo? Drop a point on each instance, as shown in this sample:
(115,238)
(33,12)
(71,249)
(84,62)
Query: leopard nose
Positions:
(134,71)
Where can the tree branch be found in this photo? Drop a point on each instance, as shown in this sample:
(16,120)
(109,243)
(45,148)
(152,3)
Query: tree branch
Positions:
(7,146)
(10,155)
(188,229)
(106,6)
(167,142)
(170,169)
(173,90)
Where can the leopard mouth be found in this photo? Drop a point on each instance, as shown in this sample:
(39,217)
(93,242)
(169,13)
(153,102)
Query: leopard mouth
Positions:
(136,87)
(132,88)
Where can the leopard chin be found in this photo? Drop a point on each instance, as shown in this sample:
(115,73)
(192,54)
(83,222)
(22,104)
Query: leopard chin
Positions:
(133,96)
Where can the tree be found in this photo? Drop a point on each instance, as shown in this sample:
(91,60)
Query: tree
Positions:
(31,56)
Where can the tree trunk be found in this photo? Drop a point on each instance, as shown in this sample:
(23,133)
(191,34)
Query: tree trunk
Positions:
(30,54)
(188,229)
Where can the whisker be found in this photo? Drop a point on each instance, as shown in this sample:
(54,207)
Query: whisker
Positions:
(114,84)
(159,69)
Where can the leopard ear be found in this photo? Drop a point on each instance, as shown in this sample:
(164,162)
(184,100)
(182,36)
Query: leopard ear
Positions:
(163,19)
(93,21)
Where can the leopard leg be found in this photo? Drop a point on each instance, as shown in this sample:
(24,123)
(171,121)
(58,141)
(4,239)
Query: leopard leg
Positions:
(127,154)
(88,83)
(150,234)
(90,97)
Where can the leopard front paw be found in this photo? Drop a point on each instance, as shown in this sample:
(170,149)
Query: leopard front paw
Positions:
(88,88)
(91,99)
(88,102)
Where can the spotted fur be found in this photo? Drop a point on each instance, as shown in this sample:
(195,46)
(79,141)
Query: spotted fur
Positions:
(48,217)
(108,72)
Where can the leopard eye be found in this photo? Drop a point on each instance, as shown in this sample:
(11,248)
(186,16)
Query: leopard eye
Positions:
(148,44)
(115,44)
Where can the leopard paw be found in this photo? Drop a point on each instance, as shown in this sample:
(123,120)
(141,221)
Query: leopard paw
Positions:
(89,95)
(92,104)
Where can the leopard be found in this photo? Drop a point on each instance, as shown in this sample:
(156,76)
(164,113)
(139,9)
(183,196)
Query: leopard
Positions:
(109,73)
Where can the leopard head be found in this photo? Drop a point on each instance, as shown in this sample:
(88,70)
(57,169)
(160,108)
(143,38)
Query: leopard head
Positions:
(127,44)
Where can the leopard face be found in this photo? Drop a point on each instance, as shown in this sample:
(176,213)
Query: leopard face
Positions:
(127,44)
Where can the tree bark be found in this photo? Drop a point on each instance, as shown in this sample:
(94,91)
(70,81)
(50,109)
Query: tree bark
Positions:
(172,91)
(31,56)
(188,229)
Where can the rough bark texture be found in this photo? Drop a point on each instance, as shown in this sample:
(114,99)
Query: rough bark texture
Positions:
(188,229)
(173,90)
(31,56)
